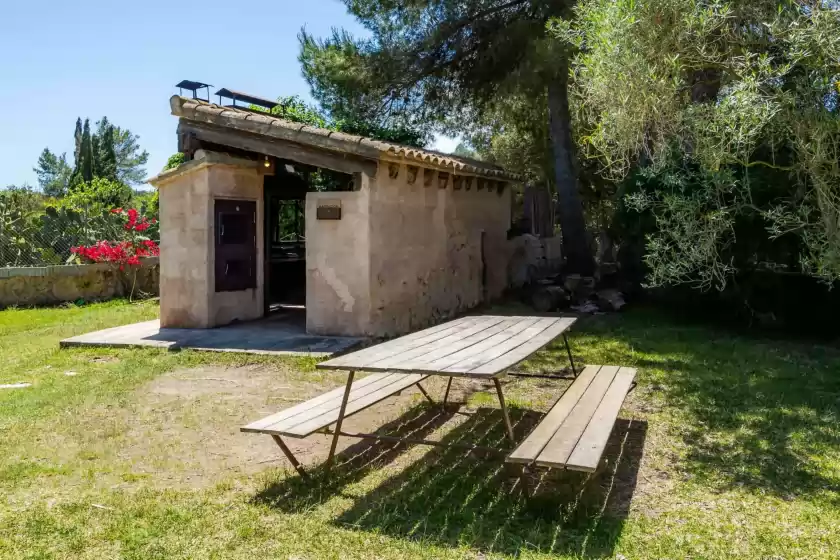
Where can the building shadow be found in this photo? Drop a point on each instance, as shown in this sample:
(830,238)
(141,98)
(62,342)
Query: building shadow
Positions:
(455,497)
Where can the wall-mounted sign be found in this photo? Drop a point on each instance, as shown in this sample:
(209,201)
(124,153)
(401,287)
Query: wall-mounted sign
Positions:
(328,210)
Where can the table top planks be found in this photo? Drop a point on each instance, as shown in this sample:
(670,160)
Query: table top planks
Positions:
(473,346)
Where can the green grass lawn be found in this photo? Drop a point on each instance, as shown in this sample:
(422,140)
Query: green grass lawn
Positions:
(728,448)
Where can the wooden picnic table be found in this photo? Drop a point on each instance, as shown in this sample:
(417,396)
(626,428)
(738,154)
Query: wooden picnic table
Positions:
(478,347)
(572,435)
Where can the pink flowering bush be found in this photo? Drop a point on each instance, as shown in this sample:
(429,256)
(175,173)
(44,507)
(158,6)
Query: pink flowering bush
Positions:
(127,251)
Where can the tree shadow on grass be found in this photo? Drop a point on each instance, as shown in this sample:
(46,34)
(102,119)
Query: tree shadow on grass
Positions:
(753,412)
(454,497)
(296,494)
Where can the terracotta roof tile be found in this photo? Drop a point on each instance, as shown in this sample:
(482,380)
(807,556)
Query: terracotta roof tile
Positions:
(202,111)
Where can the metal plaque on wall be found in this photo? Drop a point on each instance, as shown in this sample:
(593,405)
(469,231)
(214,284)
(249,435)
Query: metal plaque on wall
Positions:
(328,210)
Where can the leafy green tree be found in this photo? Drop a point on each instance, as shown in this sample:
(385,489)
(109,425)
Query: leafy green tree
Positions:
(19,207)
(174,161)
(441,61)
(131,160)
(53,173)
(295,109)
(727,115)
(100,193)
(147,202)
(464,149)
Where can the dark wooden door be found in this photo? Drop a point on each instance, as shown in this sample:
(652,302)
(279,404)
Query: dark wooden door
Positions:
(236,245)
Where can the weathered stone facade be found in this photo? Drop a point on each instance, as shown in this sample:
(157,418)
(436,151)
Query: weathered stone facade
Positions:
(422,236)
(51,285)
(409,251)
(187,194)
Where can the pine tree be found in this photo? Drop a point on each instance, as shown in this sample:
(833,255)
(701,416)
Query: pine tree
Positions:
(109,153)
(439,60)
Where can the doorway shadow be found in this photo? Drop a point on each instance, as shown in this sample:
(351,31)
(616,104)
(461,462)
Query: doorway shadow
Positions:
(456,498)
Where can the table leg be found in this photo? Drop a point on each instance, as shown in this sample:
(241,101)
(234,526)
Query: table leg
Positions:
(446,394)
(425,394)
(340,418)
(569,352)
(504,410)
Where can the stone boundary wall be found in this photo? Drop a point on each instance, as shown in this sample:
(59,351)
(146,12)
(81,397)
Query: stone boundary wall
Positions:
(50,285)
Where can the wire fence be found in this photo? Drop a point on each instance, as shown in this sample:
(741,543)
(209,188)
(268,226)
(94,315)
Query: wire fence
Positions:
(45,236)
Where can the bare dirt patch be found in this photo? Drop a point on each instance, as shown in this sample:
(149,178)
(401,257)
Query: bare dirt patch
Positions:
(185,426)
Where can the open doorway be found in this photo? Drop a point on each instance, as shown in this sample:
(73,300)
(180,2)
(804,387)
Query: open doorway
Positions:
(285,232)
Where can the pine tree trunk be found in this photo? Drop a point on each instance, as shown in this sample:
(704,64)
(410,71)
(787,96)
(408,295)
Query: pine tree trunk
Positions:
(579,258)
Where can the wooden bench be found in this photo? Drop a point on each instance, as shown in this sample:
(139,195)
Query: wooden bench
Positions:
(574,433)
(317,414)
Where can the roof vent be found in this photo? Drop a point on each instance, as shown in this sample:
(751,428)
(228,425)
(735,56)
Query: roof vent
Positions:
(193,87)
(235,96)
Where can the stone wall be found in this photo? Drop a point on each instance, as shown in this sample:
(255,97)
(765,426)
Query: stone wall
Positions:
(438,246)
(338,264)
(187,285)
(413,247)
(53,285)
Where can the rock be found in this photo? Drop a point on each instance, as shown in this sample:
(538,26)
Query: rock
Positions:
(16,386)
(587,307)
(571,282)
(549,298)
(610,300)
(586,288)
(580,287)
(527,260)
(553,249)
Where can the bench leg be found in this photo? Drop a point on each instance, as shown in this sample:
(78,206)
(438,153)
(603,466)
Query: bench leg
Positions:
(341,411)
(425,394)
(504,410)
(527,491)
(569,352)
(288,453)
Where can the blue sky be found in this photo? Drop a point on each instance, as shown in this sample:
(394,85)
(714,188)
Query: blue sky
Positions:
(90,58)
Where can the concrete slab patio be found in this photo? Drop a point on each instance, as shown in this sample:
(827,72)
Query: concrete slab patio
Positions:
(281,333)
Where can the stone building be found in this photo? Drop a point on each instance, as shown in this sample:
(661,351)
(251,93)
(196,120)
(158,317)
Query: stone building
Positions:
(373,238)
